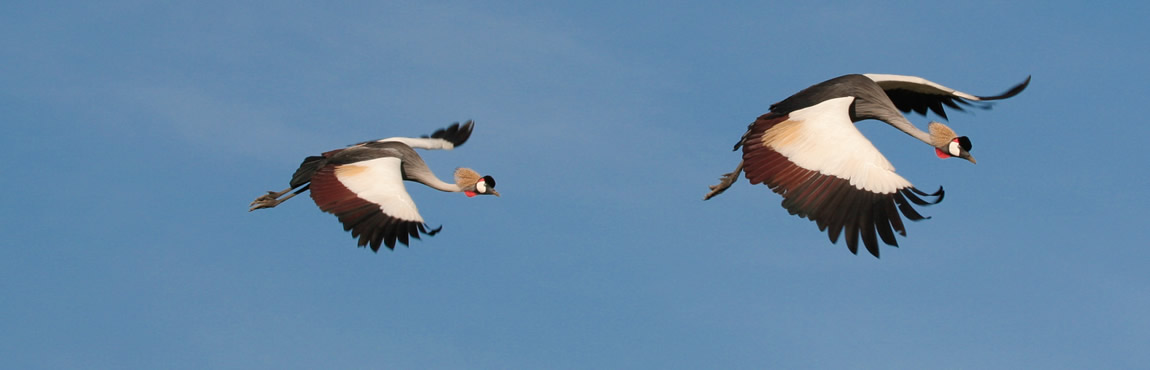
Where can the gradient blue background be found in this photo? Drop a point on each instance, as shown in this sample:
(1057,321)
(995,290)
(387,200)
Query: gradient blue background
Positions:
(135,133)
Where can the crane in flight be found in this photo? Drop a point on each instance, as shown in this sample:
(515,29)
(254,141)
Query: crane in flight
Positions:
(362,185)
(807,149)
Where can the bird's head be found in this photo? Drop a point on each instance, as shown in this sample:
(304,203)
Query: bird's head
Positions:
(473,184)
(947,144)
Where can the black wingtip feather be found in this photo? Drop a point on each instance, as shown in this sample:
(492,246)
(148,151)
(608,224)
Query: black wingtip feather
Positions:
(882,224)
(1009,93)
(852,238)
(915,199)
(833,234)
(936,107)
(403,235)
(413,230)
(866,228)
(939,194)
(906,209)
(456,134)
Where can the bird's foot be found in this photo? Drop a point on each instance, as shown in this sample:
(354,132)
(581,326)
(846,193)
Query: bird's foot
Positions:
(725,182)
(265,201)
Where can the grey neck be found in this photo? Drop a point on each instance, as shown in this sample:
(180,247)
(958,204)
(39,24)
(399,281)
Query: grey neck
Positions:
(874,104)
(437,184)
(871,102)
(423,175)
(903,125)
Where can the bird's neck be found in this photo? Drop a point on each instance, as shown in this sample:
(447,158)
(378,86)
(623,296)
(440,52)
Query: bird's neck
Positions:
(905,126)
(437,184)
(873,103)
(416,170)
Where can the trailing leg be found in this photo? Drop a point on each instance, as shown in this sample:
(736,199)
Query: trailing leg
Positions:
(725,182)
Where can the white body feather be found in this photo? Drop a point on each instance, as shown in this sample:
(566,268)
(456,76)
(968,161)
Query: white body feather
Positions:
(828,142)
(380,181)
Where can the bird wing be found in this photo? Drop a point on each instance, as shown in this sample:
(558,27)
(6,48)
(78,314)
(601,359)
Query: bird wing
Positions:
(370,200)
(828,172)
(910,93)
(445,138)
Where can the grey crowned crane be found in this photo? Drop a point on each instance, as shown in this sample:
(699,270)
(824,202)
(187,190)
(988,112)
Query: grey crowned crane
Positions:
(363,185)
(808,150)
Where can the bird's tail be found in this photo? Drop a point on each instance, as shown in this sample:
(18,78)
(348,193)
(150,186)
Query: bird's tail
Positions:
(306,169)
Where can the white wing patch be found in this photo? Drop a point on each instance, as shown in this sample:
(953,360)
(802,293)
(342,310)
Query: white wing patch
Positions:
(916,84)
(380,181)
(822,138)
(421,143)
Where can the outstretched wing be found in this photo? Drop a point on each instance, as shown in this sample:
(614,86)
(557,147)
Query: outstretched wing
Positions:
(445,138)
(828,172)
(910,93)
(370,200)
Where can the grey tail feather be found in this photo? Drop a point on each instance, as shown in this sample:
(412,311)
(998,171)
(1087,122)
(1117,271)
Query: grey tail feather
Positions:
(306,169)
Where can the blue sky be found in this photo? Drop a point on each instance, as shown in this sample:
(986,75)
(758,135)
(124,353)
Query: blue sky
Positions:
(137,132)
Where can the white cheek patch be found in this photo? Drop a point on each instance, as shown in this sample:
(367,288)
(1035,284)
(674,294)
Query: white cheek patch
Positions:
(954,148)
(481,187)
